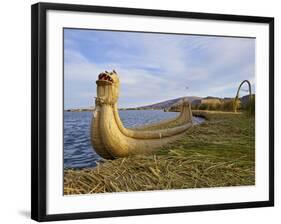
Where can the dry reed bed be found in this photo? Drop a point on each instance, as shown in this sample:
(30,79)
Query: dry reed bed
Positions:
(218,153)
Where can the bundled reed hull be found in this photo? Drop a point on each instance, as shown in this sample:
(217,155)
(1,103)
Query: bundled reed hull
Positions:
(111,139)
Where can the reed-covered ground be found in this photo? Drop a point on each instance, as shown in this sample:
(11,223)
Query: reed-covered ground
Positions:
(219,152)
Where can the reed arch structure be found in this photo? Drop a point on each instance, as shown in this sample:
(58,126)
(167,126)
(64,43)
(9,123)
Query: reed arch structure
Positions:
(237,94)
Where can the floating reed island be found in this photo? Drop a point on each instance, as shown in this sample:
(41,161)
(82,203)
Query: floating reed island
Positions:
(172,154)
(217,153)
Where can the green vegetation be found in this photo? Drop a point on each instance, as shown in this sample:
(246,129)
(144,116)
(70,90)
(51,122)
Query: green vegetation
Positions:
(219,152)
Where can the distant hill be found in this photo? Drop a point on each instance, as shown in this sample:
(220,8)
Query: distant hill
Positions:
(168,103)
(192,99)
(171,103)
(245,99)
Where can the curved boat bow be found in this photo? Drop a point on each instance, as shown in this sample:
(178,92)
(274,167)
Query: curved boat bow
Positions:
(111,139)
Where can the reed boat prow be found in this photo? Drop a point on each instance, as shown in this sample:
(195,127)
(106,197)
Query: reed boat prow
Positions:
(111,139)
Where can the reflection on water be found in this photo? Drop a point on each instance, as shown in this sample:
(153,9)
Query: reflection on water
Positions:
(78,151)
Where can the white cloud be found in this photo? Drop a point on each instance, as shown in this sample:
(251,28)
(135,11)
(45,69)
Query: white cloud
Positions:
(163,67)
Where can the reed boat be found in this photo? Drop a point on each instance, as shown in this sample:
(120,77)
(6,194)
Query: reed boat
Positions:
(110,139)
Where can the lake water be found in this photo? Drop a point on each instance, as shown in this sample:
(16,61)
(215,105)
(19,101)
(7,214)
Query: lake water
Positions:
(78,151)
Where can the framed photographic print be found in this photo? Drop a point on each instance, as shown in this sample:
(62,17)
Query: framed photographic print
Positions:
(139,111)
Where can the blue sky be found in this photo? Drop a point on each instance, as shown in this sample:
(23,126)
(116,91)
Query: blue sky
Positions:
(154,67)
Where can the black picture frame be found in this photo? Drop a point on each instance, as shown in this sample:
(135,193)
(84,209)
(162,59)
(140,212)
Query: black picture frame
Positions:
(39,108)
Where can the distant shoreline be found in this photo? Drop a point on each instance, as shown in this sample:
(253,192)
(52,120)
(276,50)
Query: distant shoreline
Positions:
(90,110)
(78,110)
(173,105)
